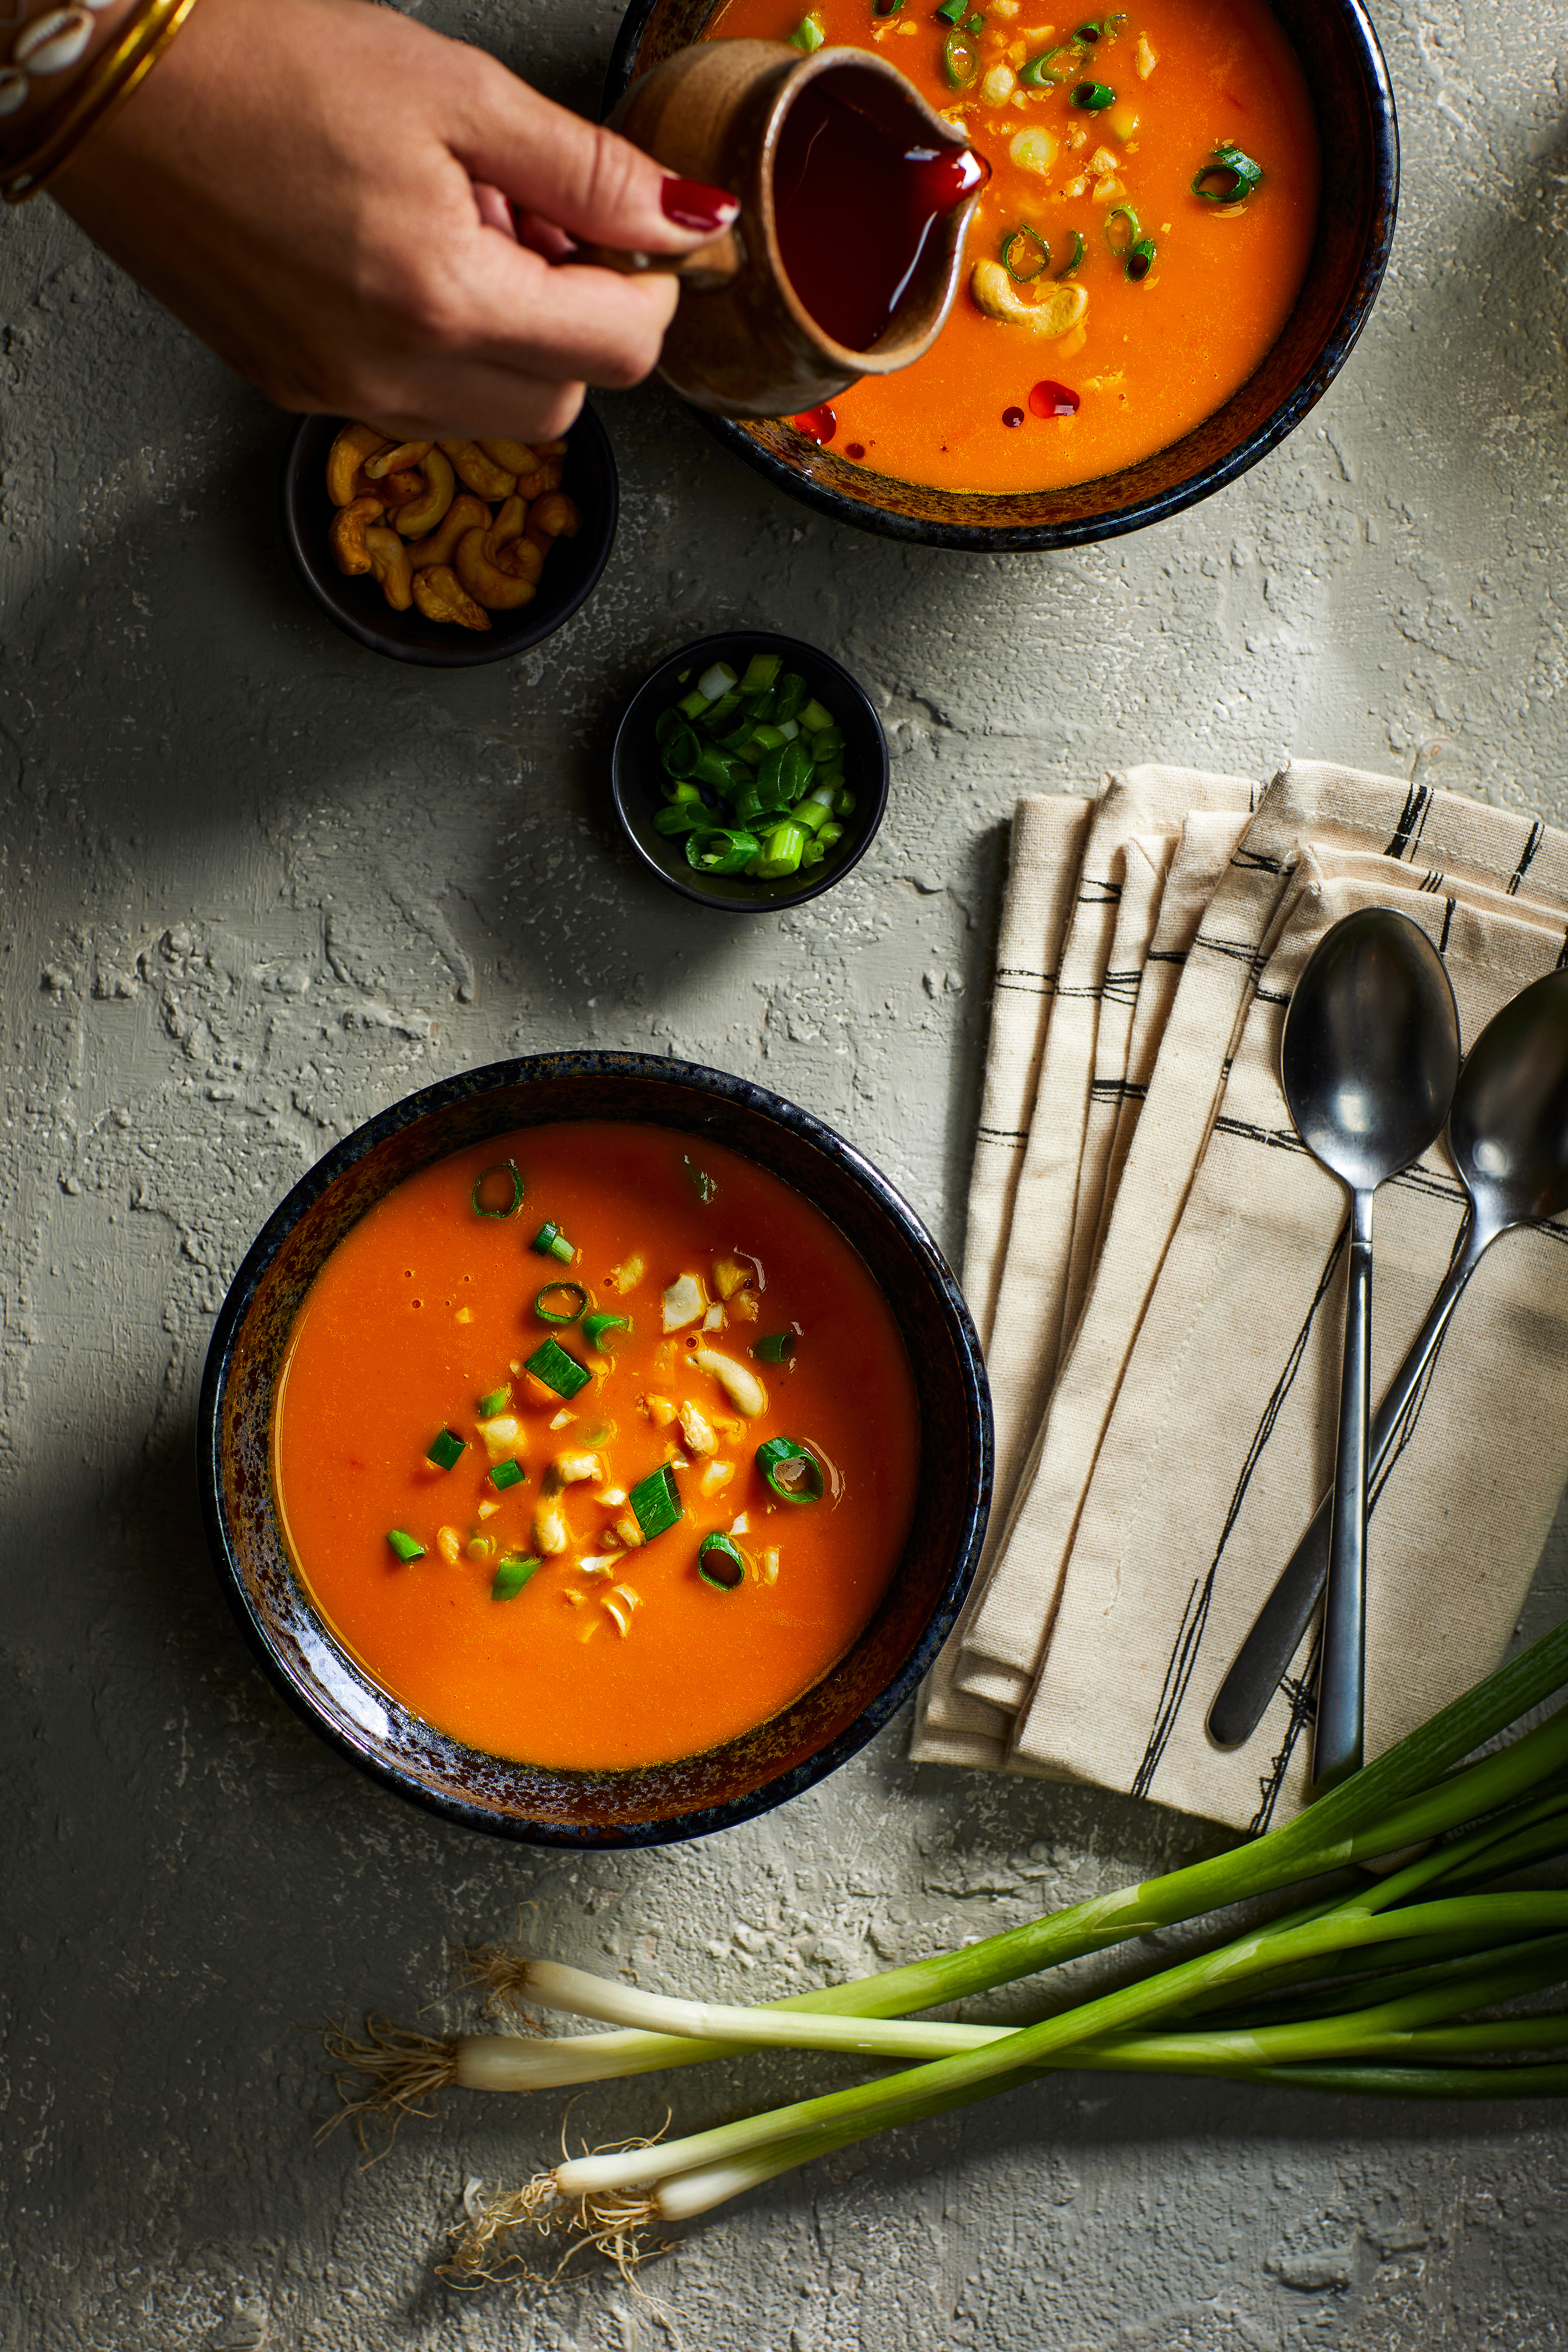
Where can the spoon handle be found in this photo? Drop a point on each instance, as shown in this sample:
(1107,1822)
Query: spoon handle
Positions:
(1264,1657)
(1342,1679)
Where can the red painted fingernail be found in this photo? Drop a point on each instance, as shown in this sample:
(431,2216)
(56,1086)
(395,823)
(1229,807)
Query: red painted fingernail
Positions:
(693,205)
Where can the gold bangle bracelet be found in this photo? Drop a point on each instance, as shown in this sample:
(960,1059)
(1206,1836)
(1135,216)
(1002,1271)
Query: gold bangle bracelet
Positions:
(108,83)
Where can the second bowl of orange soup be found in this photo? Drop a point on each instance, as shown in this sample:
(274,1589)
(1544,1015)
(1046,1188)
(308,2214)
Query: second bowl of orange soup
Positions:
(1189,212)
(596,1449)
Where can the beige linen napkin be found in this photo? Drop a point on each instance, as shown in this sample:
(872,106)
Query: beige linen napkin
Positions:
(1221,1442)
(1436,833)
(1045,854)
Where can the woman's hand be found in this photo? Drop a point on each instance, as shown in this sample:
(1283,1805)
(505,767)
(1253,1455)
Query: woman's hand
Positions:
(324,191)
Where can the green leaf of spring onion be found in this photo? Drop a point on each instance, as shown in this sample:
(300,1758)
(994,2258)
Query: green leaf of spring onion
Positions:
(406,1546)
(656,1503)
(561,1302)
(497,1191)
(681,816)
(445,1449)
(507,1474)
(719,1564)
(551,1242)
(514,1573)
(1141,260)
(1229,178)
(494,1401)
(775,1347)
(952,12)
(812,716)
(808,35)
(596,1326)
(789,697)
(1025,255)
(559,1373)
(960,60)
(1092,96)
(783,848)
(792,1470)
(679,755)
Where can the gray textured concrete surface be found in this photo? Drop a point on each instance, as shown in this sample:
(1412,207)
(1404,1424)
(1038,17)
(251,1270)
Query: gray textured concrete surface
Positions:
(257,884)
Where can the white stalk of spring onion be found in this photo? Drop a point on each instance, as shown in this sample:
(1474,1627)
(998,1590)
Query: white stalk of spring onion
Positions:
(582,1994)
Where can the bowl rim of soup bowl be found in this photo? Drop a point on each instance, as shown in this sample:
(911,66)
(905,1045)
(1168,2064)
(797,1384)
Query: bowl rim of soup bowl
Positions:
(1217,451)
(633,753)
(355,605)
(318,1676)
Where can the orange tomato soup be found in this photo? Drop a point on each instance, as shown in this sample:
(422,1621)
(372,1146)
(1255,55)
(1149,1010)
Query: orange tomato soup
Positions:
(999,404)
(617,1649)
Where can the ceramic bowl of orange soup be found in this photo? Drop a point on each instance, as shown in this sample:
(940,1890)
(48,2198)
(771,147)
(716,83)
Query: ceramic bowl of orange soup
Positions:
(595,1449)
(1189,212)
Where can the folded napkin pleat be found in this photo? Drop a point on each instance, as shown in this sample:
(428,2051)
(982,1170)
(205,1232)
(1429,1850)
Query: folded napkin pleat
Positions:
(1167,1454)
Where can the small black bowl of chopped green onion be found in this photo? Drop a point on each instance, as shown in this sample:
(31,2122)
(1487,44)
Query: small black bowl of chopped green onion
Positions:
(750,772)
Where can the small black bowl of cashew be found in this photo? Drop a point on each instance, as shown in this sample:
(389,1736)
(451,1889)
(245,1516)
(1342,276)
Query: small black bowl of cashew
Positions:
(448,552)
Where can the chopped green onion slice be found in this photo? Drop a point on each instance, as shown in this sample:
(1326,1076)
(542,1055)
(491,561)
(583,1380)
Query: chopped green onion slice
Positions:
(1040,72)
(775,1347)
(551,1242)
(681,753)
(444,1450)
(722,850)
(494,1401)
(952,12)
(716,680)
(405,1546)
(596,1326)
(843,804)
(826,744)
(1025,255)
(656,1503)
(721,714)
(960,60)
(782,849)
(789,697)
(1121,229)
(1069,267)
(813,716)
(808,34)
(561,1302)
(1092,96)
(976,24)
(701,1183)
(692,704)
(681,816)
(559,1373)
(1141,260)
(793,1470)
(497,1191)
(1229,178)
(513,1574)
(719,1564)
(507,1474)
(682,792)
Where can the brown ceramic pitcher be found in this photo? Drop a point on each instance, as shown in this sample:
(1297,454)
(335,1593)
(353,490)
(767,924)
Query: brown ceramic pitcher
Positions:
(743,343)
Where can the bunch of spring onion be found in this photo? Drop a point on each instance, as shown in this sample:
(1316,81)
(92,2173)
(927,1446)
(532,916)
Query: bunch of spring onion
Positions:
(1388,1986)
(753,772)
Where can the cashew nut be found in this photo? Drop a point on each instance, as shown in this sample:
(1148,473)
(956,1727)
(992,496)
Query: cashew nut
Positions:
(388,461)
(553,516)
(439,597)
(462,516)
(347,534)
(546,476)
(422,515)
(498,591)
(389,561)
(479,472)
(549,448)
(1056,315)
(354,446)
(512,457)
(739,1382)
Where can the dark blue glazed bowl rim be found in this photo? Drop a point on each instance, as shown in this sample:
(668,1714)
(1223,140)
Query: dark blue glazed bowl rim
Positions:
(410,637)
(661,856)
(1381,128)
(973,1441)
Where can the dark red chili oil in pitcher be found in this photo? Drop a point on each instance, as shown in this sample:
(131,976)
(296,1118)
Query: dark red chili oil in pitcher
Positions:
(859,190)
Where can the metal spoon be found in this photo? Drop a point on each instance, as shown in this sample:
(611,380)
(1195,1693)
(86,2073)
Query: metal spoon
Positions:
(1508,1133)
(1369,1060)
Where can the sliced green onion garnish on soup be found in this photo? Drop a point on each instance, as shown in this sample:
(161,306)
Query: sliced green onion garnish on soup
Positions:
(719,1564)
(790,1469)
(406,1546)
(497,1191)
(656,1503)
(559,1373)
(561,1302)
(513,1574)
(551,1242)
(507,1474)
(596,1326)
(775,1347)
(444,1450)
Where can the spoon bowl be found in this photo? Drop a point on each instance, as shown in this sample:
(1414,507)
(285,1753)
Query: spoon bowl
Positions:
(1508,1130)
